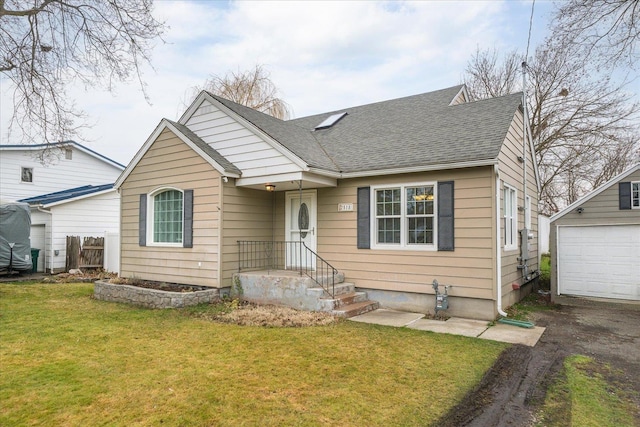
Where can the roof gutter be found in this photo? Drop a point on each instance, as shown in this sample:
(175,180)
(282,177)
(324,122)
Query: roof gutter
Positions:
(41,209)
(501,312)
(440,166)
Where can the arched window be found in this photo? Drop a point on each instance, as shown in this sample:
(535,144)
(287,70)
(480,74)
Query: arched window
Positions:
(167,209)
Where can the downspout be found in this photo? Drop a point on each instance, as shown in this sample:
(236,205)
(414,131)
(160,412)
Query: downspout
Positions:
(41,209)
(524,141)
(524,257)
(498,251)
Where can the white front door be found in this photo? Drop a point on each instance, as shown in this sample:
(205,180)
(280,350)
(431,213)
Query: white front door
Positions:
(301,222)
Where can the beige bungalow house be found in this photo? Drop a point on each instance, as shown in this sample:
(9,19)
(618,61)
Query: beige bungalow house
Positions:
(388,196)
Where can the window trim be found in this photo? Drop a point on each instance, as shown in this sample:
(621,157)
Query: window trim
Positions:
(637,183)
(511,244)
(403,245)
(151,219)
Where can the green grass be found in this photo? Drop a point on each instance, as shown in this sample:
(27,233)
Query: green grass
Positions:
(545,272)
(530,304)
(67,359)
(582,397)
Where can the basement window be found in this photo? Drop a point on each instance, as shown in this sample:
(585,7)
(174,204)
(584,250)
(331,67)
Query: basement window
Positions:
(330,121)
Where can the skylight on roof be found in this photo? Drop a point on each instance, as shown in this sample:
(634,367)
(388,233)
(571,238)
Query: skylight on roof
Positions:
(330,121)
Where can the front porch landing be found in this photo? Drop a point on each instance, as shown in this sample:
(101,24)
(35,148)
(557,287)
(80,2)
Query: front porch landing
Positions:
(290,288)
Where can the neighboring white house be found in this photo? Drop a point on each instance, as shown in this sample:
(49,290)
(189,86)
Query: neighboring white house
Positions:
(70,193)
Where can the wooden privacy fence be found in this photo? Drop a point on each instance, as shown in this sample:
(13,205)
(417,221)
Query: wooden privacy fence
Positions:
(88,255)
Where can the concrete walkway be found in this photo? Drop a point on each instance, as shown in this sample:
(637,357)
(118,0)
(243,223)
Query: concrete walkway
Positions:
(454,325)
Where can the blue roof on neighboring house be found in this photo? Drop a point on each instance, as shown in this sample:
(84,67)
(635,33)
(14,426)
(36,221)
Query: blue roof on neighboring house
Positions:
(71,193)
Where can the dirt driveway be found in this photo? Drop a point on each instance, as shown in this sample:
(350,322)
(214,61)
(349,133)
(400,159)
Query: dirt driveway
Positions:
(511,391)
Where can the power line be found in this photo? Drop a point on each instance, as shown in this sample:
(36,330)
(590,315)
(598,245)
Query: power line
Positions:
(533,3)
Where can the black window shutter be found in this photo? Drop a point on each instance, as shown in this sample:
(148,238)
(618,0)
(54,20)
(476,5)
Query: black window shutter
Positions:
(624,194)
(445,216)
(187,238)
(142,221)
(364,224)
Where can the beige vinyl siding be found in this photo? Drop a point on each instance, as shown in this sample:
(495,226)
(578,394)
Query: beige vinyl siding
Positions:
(246,150)
(247,215)
(511,173)
(171,163)
(469,269)
(602,209)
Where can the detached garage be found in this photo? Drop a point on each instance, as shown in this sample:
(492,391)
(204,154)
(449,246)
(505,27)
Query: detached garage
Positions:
(595,242)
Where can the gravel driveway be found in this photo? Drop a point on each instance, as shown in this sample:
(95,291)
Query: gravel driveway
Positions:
(511,391)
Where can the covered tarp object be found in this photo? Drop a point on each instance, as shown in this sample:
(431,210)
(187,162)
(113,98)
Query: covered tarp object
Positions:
(15,230)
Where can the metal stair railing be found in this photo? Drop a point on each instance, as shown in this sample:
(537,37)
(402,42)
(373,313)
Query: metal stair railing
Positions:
(287,255)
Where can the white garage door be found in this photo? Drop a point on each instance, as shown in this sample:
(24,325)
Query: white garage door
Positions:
(599,261)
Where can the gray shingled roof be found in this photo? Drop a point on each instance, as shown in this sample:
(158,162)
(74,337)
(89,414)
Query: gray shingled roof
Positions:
(419,130)
(217,157)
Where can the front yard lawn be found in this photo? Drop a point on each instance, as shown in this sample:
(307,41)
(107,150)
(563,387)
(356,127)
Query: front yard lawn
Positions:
(66,359)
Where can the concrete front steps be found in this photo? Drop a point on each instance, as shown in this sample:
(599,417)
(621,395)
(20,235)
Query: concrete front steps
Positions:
(347,302)
(289,288)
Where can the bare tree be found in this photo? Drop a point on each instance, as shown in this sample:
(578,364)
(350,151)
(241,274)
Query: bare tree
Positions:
(487,76)
(252,88)
(608,30)
(47,44)
(584,126)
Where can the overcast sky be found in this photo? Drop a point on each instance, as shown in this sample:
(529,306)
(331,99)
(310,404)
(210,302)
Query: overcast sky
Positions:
(322,56)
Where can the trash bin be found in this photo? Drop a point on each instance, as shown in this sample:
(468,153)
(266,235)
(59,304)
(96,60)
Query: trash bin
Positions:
(34,259)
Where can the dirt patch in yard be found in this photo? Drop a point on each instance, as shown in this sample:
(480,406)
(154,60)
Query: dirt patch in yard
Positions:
(247,314)
(514,388)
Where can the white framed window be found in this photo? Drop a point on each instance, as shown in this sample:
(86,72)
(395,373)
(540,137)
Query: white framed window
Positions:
(635,195)
(68,154)
(404,216)
(26,174)
(510,213)
(165,217)
(527,213)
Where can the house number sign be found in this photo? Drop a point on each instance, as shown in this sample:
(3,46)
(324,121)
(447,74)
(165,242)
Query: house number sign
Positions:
(345,207)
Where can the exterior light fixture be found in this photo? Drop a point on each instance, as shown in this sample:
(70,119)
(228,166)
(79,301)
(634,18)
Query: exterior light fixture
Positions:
(270,187)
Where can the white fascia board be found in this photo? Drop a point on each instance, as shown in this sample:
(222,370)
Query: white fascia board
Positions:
(251,127)
(97,155)
(184,118)
(464,92)
(75,199)
(165,124)
(141,152)
(414,169)
(285,177)
(595,192)
(198,150)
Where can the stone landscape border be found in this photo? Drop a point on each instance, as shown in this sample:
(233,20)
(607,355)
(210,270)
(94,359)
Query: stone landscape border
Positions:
(152,298)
